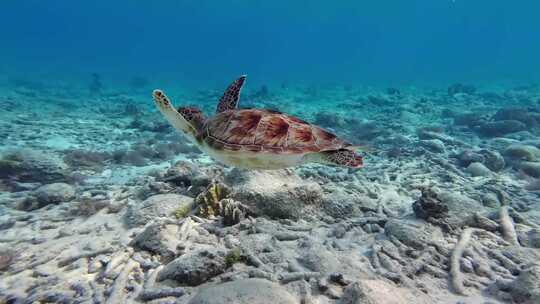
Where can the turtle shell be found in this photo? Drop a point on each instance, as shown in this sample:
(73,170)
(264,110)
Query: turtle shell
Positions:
(258,130)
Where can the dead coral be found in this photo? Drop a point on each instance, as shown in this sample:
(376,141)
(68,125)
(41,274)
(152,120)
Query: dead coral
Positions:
(234,256)
(182,211)
(429,205)
(118,290)
(136,157)
(208,201)
(507,226)
(7,257)
(87,208)
(27,165)
(133,158)
(85,159)
(9,165)
(455,273)
(430,208)
(163,151)
(232,211)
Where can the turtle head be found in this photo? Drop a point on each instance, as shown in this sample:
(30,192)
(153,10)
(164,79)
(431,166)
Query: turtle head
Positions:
(187,120)
(193,116)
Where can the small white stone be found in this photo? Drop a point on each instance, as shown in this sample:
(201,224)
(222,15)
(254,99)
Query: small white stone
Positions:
(478,169)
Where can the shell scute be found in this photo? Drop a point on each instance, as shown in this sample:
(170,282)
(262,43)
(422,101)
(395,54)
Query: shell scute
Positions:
(273,130)
(301,137)
(258,130)
(244,126)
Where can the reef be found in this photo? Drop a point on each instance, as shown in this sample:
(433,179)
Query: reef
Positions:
(109,205)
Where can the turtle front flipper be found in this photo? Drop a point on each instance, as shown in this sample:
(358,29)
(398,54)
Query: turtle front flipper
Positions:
(342,157)
(166,108)
(229,100)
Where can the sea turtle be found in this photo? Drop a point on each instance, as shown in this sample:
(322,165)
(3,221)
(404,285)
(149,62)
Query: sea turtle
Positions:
(256,138)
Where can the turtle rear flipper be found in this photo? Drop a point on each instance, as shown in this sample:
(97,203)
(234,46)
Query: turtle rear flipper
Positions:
(342,157)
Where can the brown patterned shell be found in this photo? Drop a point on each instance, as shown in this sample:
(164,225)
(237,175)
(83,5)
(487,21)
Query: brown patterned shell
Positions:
(257,130)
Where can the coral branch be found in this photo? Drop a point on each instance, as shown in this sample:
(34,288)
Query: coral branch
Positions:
(151,279)
(118,293)
(507,226)
(71,259)
(115,261)
(152,294)
(455,273)
(32,265)
(295,276)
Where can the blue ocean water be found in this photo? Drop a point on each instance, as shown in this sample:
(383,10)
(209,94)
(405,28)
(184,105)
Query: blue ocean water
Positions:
(405,42)
(377,152)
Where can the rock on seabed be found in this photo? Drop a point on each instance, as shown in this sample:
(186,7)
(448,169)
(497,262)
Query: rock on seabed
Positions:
(274,193)
(379,292)
(55,193)
(246,291)
(154,207)
(478,169)
(195,268)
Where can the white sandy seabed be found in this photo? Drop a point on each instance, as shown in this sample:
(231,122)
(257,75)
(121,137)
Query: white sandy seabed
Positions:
(101,202)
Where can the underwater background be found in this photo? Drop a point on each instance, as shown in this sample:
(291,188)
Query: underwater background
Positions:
(202,42)
(103,201)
